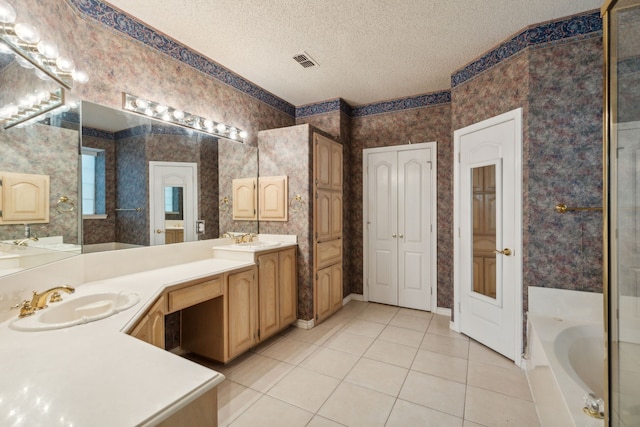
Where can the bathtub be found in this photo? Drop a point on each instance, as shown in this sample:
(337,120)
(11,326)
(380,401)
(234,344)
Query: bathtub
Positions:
(565,355)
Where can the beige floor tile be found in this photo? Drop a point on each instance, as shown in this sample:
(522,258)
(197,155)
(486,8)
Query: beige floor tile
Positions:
(409,414)
(441,365)
(356,406)
(212,364)
(350,343)
(404,336)
(319,421)
(317,335)
(410,322)
(440,325)
(305,389)
(434,392)
(416,313)
(512,382)
(471,424)
(353,308)
(363,327)
(259,372)
(328,361)
(393,353)
(496,409)
(289,350)
(271,412)
(233,400)
(377,376)
(482,354)
(378,313)
(445,345)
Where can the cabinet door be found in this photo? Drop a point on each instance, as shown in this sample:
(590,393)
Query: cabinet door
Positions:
(336,166)
(322,295)
(268,295)
(322,161)
(241,298)
(323,215)
(288,286)
(151,327)
(336,287)
(245,198)
(272,198)
(336,215)
(24,198)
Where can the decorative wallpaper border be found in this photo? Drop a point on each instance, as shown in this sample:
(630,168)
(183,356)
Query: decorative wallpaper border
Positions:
(549,32)
(419,101)
(120,21)
(537,35)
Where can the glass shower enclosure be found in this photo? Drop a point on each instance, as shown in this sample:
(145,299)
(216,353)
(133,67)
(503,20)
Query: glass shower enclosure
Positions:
(622,213)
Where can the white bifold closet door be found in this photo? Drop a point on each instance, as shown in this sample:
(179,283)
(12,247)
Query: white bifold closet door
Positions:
(400,240)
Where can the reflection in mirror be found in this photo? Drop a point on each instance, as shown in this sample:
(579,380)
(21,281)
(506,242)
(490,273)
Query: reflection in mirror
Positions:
(128,143)
(484,230)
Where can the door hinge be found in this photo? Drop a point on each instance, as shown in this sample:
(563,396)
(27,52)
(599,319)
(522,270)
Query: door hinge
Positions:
(459,307)
(316,276)
(258,333)
(430,165)
(431,291)
(458,157)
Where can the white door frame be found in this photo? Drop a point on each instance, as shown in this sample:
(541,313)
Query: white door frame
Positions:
(434,215)
(190,232)
(515,115)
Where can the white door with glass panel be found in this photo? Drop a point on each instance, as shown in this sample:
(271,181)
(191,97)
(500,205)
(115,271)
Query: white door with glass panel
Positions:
(400,242)
(173,201)
(488,230)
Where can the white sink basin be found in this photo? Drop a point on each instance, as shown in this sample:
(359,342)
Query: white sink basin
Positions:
(260,245)
(75,311)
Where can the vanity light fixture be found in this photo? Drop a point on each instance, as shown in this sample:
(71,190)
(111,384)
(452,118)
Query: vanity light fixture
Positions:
(178,117)
(24,41)
(30,107)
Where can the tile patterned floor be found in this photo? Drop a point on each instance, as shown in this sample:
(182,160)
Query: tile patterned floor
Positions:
(374,365)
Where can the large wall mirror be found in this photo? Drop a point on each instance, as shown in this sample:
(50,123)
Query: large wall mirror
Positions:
(44,144)
(146,182)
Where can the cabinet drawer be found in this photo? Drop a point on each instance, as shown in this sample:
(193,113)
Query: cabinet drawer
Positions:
(328,253)
(194,294)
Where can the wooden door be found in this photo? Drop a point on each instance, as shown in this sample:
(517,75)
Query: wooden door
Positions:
(322,297)
(245,199)
(336,287)
(288,292)
(322,161)
(241,298)
(268,283)
(336,166)
(322,217)
(335,220)
(272,198)
(24,198)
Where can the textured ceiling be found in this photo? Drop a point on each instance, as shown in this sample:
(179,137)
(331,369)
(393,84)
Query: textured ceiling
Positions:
(367,50)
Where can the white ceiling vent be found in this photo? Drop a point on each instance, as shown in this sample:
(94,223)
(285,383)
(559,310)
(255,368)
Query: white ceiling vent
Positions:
(305,60)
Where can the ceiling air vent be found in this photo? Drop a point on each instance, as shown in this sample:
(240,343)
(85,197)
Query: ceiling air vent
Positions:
(305,60)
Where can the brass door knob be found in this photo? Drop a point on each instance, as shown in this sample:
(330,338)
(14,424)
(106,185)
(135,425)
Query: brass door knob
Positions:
(505,251)
(159,231)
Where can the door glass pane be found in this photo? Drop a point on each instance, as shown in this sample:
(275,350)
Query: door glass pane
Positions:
(484,230)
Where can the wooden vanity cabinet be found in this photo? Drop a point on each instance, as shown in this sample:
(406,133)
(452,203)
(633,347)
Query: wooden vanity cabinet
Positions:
(277,289)
(242,309)
(151,327)
(24,198)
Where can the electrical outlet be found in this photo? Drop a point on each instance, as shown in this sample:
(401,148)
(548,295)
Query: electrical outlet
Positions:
(200,226)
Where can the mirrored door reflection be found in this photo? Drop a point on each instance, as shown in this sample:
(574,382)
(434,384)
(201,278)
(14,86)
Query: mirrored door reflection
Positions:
(484,230)
(173,215)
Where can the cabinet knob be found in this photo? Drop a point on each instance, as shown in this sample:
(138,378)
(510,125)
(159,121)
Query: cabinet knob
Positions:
(393,235)
(159,231)
(401,236)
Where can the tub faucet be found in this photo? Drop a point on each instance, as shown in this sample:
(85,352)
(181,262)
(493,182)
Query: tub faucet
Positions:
(25,241)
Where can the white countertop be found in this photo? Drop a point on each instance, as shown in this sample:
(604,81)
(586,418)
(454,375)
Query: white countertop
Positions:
(96,375)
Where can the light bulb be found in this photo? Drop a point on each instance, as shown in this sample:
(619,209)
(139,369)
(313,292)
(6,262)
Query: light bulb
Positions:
(166,117)
(208,124)
(243,134)
(43,95)
(178,114)
(7,13)
(141,103)
(27,33)
(80,76)
(48,49)
(161,109)
(65,65)
(149,111)
(221,127)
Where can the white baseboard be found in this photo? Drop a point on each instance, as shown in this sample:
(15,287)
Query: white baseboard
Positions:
(352,297)
(443,311)
(304,324)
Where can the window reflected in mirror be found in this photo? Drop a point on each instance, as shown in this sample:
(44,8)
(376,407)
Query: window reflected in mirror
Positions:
(484,230)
